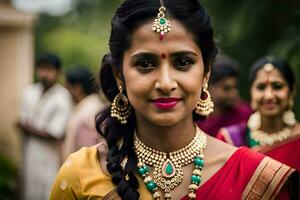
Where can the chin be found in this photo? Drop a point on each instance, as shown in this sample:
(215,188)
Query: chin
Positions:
(165,121)
(270,113)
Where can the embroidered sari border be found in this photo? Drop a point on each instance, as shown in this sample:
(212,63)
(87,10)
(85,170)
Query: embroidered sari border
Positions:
(267,180)
(112,195)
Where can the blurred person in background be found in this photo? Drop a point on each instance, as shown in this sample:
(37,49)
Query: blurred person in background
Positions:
(229,108)
(81,129)
(272,129)
(45,109)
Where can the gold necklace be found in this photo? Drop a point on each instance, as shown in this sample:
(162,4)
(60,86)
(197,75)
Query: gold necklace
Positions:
(168,166)
(269,139)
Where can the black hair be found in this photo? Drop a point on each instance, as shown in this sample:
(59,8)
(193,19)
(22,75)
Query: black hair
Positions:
(280,64)
(223,67)
(129,16)
(49,59)
(83,76)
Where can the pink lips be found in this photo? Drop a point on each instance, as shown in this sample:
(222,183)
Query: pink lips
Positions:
(269,105)
(166,103)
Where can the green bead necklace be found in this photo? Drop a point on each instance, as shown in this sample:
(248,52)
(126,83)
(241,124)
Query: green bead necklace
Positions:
(168,166)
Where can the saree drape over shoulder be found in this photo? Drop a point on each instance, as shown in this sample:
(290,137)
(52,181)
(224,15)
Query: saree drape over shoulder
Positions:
(287,152)
(245,175)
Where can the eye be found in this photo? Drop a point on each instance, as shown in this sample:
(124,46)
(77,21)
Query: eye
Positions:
(260,86)
(277,86)
(145,64)
(183,62)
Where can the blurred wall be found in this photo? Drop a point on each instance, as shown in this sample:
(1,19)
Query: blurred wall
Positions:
(16,71)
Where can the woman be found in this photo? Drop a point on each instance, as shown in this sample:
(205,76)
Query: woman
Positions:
(160,55)
(272,129)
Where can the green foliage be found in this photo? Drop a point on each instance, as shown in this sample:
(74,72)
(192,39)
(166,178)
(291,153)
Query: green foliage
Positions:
(75,47)
(245,30)
(81,36)
(8,177)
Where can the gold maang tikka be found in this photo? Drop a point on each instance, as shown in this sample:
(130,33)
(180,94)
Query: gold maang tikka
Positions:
(161,25)
(268,67)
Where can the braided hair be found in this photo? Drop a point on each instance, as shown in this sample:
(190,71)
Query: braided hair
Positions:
(129,16)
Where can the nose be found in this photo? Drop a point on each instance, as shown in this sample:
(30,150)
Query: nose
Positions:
(165,80)
(268,94)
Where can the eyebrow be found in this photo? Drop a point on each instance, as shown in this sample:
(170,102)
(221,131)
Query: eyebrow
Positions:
(153,55)
(143,54)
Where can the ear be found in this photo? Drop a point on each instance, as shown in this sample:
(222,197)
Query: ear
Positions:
(117,76)
(293,92)
(206,77)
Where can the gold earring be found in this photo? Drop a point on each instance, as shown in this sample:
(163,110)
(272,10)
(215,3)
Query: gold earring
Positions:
(289,118)
(254,121)
(205,107)
(120,107)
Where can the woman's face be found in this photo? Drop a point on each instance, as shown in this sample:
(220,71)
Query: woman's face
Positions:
(163,78)
(270,93)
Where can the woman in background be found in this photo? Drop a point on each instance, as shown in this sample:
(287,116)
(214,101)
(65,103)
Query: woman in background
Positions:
(272,129)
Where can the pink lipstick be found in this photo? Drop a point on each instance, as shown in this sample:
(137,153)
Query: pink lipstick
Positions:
(166,103)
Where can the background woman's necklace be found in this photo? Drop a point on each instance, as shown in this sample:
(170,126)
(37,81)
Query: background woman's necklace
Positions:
(264,138)
(168,166)
(260,137)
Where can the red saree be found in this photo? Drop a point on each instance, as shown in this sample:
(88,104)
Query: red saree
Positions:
(248,175)
(287,152)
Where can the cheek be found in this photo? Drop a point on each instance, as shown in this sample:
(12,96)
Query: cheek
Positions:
(136,88)
(255,95)
(283,95)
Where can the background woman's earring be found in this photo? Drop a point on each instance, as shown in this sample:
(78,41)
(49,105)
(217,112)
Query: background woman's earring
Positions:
(120,107)
(254,121)
(288,116)
(205,106)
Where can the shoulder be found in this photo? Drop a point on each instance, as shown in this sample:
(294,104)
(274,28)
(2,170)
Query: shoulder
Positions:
(244,106)
(61,94)
(296,129)
(234,134)
(268,179)
(32,88)
(81,174)
(60,90)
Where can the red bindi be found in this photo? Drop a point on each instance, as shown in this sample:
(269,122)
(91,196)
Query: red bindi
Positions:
(163,55)
(268,80)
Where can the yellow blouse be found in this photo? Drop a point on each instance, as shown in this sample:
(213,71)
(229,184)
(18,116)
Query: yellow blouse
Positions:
(81,177)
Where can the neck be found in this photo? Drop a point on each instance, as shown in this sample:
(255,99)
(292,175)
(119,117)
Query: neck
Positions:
(46,88)
(166,138)
(80,98)
(272,124)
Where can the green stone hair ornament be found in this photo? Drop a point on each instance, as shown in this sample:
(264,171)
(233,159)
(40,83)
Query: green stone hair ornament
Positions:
(161,25)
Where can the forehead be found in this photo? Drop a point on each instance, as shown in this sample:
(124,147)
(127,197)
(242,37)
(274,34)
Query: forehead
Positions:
(272,76)
(230,80)
(144,38)
(46,67)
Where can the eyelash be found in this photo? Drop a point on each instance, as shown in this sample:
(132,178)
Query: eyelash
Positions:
(187,65)
(148,64)
(145,64)
(275,86)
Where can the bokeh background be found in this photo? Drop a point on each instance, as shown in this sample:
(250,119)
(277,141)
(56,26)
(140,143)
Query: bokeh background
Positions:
(78,31)
(245,30)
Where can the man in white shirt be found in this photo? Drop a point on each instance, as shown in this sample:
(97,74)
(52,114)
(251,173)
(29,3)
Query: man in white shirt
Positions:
(45,109)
